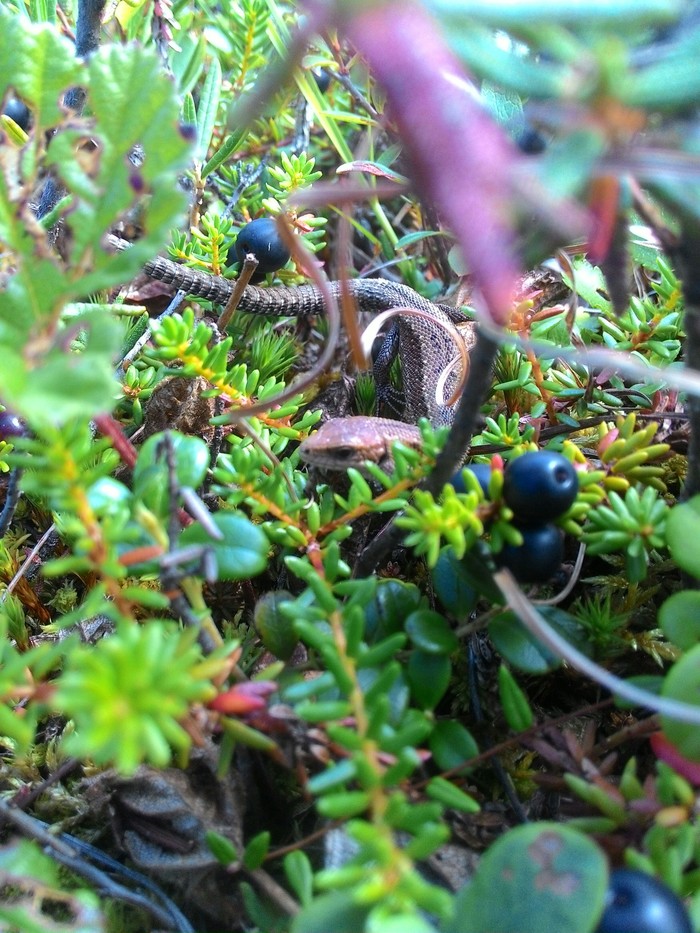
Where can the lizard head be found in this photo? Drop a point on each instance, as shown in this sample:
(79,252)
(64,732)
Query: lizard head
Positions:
(356,441)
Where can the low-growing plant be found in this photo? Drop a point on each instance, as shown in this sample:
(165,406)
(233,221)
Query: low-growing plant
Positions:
(253,612)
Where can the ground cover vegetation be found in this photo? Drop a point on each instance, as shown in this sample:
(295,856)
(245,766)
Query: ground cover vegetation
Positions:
(455,689)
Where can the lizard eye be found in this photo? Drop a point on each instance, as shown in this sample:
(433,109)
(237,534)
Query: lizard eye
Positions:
(344,453)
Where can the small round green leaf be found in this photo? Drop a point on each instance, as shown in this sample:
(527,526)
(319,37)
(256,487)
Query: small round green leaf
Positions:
(191,456)
(242,552)
(431,632)
(682,683)
(256,850)
(537,877)
(679,617)
(636,562)
(344,805)
(521,649)
(451,796)
(515,705)
(453,586)
(682,529)
(452,745)
(300,875)
(428,677)
(275,629)
(221,848)
(477,573)
(108,496)
(386,613)
(335,911)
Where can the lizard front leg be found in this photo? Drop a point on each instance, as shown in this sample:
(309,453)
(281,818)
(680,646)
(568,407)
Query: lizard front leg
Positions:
(390,402)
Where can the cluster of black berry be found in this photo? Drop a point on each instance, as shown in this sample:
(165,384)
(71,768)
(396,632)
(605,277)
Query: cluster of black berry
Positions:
(539,486)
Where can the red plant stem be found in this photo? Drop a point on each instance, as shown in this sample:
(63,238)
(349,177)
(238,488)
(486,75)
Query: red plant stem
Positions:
(111,428)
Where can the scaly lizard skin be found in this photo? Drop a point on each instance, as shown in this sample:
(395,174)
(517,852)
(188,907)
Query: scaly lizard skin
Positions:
(373,295)
(424,348)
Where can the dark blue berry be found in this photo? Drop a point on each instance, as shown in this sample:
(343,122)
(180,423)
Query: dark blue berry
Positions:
(639,903)
(531,141)
(322,79)
(11,426)
(482,472)
(261,238)
(538,558)
(540,486)
(188,131)
(18,112)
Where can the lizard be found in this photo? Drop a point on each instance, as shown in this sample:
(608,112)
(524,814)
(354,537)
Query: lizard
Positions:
(353,441)
(424,348)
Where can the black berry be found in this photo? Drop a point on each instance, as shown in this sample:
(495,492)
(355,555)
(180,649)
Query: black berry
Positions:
(638,903)
(539,486)
(322,79)
(11,426)
(538,558)
(531,141)
(188,131)
(261,237)
(18,112)
(482,472)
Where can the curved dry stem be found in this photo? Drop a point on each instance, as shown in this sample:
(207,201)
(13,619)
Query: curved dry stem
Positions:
(305,257)
(536,625)
(482,357)
(573,580)
(376,324)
